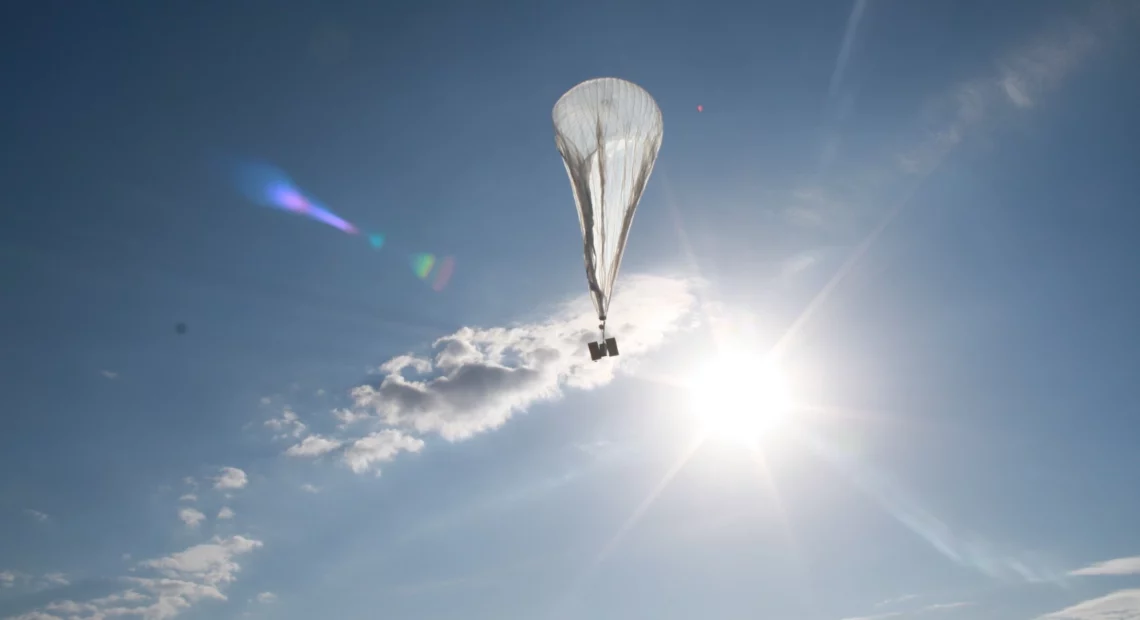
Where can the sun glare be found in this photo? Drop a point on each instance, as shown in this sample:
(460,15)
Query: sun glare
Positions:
(740,397)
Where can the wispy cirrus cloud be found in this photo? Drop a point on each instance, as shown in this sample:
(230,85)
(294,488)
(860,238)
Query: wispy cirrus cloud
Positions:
(37,515)
(898,600)
(1023,76)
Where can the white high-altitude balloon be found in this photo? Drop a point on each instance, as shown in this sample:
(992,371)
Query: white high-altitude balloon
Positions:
(608,131)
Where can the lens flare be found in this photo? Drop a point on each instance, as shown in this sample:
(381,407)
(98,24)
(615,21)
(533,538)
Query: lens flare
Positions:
(443,274)
(268,186)
(423,265)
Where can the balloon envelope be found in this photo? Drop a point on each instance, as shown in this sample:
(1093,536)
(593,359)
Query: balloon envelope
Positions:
(608,131)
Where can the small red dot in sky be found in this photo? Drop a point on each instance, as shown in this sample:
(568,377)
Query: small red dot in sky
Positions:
(700,108)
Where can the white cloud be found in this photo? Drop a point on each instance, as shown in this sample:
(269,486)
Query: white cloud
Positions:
(226,513)
(191,517)
(266,597)
(478,378)
(308,488)
(379,447)
(178,582)
(1119,566)
(882,616)
(37,515)
(265,400)
(24,581)
(945,606)
(56,579)
(188,497)
(314,445)
(1119,605)
(288,425)
(231,478)
(110,374)
(211,563)
(35,615)
(348,417)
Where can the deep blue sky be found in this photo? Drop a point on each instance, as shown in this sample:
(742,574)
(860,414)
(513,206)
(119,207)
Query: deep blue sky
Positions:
(968,437)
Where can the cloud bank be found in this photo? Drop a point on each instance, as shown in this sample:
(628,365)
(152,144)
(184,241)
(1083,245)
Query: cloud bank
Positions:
(476,379)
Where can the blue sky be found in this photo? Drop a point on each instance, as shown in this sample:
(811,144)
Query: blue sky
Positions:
(927,207)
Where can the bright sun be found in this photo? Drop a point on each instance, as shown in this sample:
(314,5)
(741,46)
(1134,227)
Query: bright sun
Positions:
(740,397)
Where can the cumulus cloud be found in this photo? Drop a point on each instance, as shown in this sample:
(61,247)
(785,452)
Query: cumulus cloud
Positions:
(309,488)
(231,478)
(226,513)
(176,583)
(266,597)
(56,579)
(348,417)
(110,374)
(1119,566)
(379,447)
(288,425)
(188,497)
(478,378)
(191,517)
(1119,605)
(25,581)
(314,445)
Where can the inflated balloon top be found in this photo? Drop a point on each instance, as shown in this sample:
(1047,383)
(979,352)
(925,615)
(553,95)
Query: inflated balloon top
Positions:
(608,131)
